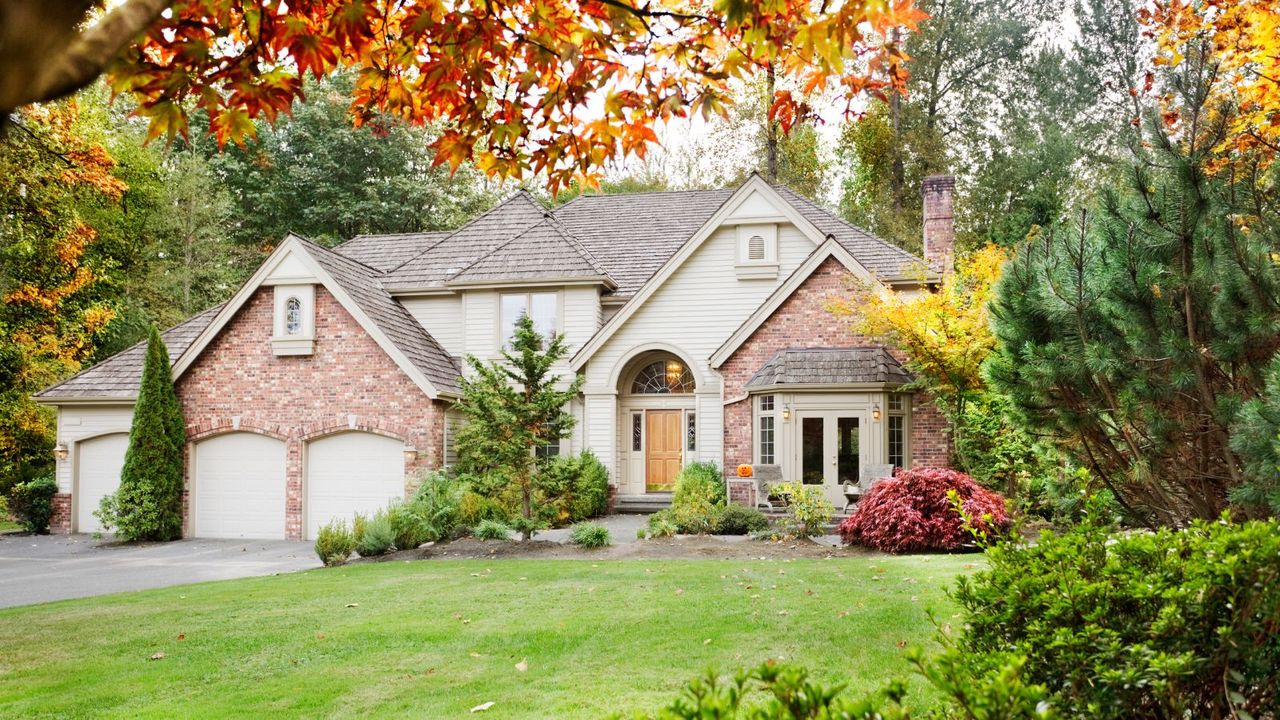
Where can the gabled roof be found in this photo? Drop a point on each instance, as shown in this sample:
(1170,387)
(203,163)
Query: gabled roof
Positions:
(119,376)
(831,248)
(439,263)
(387,252)
(881,257)
(543,252)
(815,367)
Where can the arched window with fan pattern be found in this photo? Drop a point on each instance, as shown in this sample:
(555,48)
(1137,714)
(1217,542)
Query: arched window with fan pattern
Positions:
(663,377)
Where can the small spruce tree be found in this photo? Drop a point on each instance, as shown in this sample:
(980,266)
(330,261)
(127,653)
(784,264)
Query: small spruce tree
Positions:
(148,504)
(513,407)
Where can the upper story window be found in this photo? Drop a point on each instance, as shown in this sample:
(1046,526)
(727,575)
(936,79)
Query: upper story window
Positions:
(662,377)
(293,316)
(540,307)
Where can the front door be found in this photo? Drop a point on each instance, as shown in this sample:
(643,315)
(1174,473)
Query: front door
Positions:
(830,452)
(663,455)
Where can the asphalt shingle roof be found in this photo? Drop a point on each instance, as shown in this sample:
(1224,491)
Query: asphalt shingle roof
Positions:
(119,376)
(830,366)
(543,251)
(386,252)
(467,244)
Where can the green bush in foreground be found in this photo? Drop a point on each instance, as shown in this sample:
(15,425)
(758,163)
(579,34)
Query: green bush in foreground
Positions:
(1145,625)
(492,530)
(335,542)
(377,536)
(31,503)
(737,519)
(590,535)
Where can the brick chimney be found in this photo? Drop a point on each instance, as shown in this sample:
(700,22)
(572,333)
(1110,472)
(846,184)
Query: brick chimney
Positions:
(939,222)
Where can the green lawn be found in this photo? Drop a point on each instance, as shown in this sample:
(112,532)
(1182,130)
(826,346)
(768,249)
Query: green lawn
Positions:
(435,638)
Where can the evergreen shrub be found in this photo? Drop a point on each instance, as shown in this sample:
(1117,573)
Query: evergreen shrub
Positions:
(737,519)
(492,530)
(377,536)
(335,542)
(590,535)
(31,503)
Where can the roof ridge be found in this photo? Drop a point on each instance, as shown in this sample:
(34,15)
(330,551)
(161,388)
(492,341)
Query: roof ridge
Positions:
(823,209)
(519,193)
(378,236)
(580,246)
(337,254)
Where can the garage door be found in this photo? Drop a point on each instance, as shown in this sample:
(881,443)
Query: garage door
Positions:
(98,474)
(350,473)
(239,487)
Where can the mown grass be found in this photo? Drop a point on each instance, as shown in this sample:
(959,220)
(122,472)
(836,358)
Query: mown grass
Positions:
(433,639)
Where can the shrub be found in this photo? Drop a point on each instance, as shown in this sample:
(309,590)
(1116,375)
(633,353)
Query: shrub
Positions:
(474,508)
(663,524)
(591,488)
(1147,625)
(808,510)
(436,507)
(737,519)
(31,503)
(408,525)
(335,542)
(148,503)
(702,479)
(590,535)
(492,530)
(911,512)
(572,488)
(377,536)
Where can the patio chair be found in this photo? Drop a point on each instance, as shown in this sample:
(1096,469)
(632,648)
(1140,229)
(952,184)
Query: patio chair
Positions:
(868,478)
(766,477)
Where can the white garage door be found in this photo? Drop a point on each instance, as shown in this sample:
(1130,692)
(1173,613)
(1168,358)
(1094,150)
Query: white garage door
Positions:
(98,470)
(239,487)
(350,473)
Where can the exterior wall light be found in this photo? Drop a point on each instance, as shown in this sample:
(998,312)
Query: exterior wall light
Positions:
(786,412)
(410,454)
(875,412)
(60,451)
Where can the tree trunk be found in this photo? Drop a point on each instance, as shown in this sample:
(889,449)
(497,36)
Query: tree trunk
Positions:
(771,127)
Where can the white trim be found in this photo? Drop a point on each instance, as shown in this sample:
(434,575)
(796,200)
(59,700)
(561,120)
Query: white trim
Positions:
(292,244)
(567,281)
(701,384)
(828,248)
(754,184)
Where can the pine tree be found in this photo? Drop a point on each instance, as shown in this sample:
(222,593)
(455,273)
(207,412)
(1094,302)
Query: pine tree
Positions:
(1134,335)
(513,407)
(148,505)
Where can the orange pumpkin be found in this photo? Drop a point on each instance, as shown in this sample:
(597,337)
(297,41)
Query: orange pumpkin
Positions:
(744,471)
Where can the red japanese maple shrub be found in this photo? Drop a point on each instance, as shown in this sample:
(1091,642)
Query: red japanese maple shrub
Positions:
(911,512)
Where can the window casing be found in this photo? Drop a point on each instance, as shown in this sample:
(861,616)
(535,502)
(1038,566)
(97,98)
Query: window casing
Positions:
(541,307)
(896,431)
(766,432)
(637,432)
(691,431)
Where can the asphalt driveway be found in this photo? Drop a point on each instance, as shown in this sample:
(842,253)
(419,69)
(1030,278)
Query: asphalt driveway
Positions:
(36,569)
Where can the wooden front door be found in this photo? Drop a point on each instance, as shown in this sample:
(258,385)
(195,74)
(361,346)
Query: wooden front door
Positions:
(663,456)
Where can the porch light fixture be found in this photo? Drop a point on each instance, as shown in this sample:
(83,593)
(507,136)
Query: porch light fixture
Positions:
(60,451)
(786,412)
(410,453)
(875,412)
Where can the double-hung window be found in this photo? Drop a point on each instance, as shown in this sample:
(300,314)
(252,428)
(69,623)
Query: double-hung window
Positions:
(539,306)
(765,439)
(896,428)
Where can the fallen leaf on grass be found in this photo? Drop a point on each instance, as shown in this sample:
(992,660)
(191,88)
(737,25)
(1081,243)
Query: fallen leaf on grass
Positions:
(902,643)
(482,707)
(158,656)
(353,604)
(182,636)
(522,666)
(707,641)
(679,591)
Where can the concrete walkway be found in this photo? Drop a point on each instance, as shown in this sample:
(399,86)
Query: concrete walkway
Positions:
(622,528)
(36,569)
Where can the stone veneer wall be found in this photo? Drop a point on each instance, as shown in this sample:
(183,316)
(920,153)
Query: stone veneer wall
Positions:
(349,382)
(803,321)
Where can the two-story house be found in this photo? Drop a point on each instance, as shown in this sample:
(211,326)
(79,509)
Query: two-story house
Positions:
(698,319)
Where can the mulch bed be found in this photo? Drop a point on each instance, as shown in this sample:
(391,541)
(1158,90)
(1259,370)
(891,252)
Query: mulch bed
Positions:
(686,547)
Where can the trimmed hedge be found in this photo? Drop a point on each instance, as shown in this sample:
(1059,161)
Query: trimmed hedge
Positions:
(31,503)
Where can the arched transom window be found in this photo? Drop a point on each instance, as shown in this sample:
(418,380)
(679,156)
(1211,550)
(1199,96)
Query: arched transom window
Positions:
(293,316)
(663,376)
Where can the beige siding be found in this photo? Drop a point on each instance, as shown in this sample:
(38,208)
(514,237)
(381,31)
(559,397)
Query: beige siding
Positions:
(441,315)
(79,422)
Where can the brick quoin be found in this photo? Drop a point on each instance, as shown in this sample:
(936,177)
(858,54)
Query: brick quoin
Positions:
(297,398)
(803,321)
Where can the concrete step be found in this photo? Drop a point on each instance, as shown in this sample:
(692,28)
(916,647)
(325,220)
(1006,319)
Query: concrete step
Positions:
(650,503)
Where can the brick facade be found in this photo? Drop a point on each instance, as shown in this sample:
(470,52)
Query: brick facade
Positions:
(803,321)
(349,382)
(60,521)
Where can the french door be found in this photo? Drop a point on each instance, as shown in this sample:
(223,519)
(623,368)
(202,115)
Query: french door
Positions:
(830,450)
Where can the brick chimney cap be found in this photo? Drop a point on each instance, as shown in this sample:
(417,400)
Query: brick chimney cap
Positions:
(939,182)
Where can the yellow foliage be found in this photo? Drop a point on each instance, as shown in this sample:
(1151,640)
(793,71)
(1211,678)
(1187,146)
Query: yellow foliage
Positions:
(945,332)
(1245,40)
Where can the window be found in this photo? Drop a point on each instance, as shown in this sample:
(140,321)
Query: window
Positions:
(766,431)
(897,440)
(637,431)
(895,403)
(293,316)
(755,247)
(663,377)
(540,307)
(550,450)
(691,431)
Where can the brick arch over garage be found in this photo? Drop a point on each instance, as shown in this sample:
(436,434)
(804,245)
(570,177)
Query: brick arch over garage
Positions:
(347,383)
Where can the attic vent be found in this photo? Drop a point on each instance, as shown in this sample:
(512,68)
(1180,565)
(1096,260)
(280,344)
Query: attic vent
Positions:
(755,247)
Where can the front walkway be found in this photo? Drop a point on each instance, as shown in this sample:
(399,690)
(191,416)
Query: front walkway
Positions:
(36,569)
